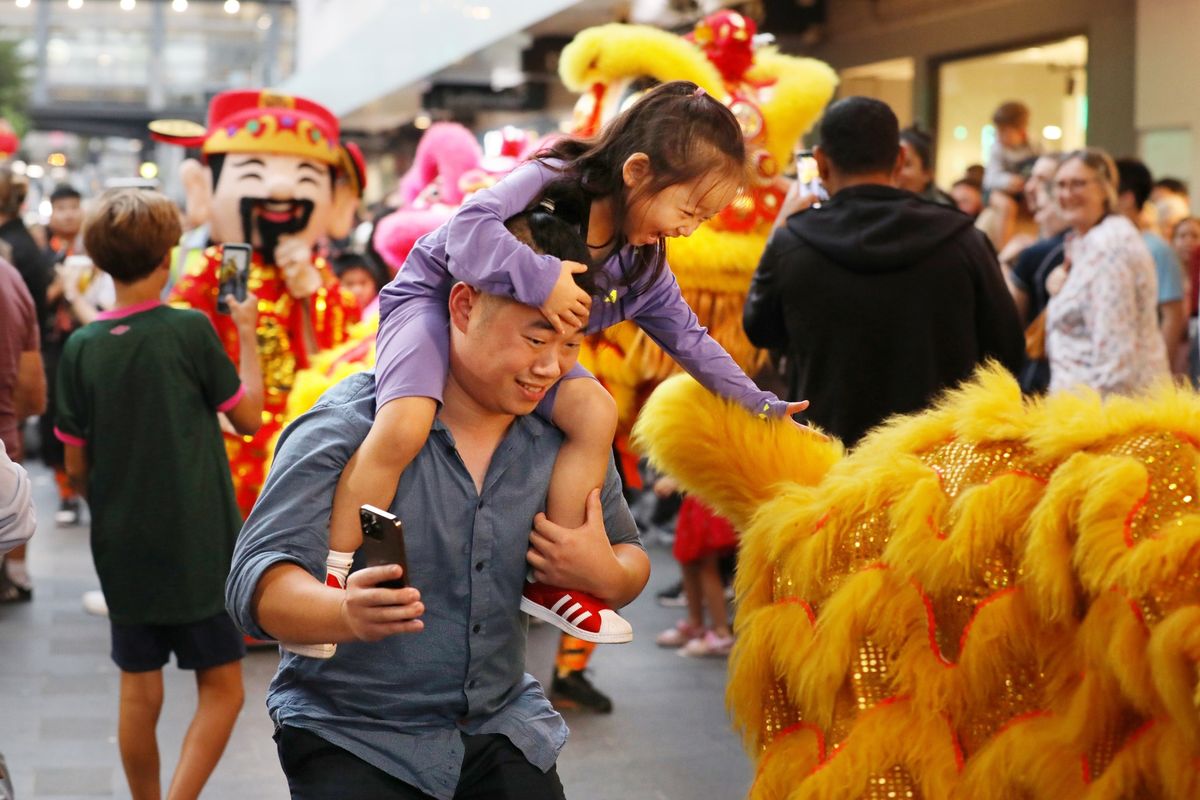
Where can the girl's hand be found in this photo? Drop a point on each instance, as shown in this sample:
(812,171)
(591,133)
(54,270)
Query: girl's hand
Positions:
(796,408)
(568,305)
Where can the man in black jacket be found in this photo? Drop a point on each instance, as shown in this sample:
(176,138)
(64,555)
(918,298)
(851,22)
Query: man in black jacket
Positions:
(878,299)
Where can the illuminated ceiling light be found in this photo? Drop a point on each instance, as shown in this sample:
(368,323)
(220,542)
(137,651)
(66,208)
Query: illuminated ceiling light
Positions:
(422,121)
(148,170)
(23,3)
(128,5)
(264,22)
(179,5)
(479,12)
(960,133)
(57,159)
(232,6)
(104,59)
(74,5)
(35,171)
(1052,132)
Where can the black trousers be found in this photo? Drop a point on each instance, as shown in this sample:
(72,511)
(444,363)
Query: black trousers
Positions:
(493,769)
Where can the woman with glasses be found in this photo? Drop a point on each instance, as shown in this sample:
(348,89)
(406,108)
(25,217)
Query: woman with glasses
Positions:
(1101,322)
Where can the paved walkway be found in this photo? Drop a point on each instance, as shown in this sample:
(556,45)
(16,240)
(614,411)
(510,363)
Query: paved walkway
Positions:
(667,739)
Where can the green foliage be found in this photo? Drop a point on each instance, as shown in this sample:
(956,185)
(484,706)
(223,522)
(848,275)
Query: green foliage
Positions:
(13,89)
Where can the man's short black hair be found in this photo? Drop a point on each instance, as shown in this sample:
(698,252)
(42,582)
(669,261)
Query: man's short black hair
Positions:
(1134,176)
(860,135)
(1171,185)
(64,191)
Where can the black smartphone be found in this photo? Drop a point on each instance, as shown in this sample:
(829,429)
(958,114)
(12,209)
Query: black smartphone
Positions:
(383,543)
(233,274)
(809,176)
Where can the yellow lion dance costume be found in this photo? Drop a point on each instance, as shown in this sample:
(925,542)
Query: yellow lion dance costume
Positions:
(775,97)
(994,599)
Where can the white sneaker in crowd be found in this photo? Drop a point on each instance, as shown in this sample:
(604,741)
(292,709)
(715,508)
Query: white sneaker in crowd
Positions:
(94,603)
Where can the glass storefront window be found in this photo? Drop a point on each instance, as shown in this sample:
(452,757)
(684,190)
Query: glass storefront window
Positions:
(104,51)
(209,49)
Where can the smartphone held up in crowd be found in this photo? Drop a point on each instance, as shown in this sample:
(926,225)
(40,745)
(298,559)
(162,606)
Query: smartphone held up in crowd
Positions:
(808,176)
(383,543)
(233,275)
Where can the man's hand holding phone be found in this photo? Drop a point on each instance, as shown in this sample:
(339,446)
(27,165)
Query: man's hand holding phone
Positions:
(372,613)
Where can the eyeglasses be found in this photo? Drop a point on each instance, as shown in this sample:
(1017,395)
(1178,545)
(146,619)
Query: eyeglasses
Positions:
(1074,185)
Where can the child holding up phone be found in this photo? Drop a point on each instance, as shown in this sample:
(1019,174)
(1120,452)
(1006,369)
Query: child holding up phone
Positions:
(138,394)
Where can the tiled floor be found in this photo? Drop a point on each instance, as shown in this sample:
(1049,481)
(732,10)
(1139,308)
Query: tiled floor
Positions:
(667,739)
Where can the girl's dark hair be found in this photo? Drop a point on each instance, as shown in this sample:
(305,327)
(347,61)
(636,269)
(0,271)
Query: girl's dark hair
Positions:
(347,260)
(684,131)
(921,143)
(554,229)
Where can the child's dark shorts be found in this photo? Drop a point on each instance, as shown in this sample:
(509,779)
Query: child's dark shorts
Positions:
(197,645)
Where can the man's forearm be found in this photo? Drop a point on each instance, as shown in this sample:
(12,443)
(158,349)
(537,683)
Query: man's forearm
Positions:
(293,606)
(250,368)
(628,580)
(76,467)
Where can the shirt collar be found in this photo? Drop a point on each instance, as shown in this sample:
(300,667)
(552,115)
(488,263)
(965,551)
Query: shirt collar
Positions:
(128,311)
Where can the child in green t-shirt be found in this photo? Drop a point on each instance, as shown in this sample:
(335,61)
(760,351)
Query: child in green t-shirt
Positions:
(139,390)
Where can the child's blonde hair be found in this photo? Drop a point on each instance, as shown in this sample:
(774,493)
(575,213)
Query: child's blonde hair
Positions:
(130,232)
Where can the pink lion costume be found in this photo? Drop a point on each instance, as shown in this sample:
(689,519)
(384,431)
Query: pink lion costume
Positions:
(430,191)
(448,167)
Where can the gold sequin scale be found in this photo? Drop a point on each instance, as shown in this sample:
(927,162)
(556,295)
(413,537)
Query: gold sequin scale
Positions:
(1171,466)
(895,784)
(1170,463)
(863,545)
(960,465)
(779,713)
(1182,590)
(1101,754)
(1022,693)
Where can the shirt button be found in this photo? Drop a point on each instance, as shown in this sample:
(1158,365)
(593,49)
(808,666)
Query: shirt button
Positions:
(479,566)
(477,627)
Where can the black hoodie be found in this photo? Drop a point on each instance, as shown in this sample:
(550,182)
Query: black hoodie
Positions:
(879,300)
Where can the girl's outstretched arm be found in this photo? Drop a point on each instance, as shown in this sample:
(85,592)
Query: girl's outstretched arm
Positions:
(667,319)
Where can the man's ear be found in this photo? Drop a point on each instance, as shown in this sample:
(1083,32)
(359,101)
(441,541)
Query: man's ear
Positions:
(635,170)
(464,298)
(198,192)
(341,215)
